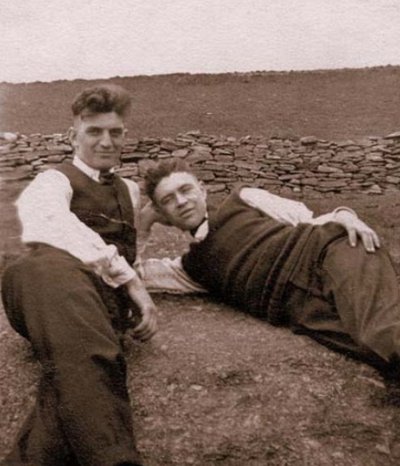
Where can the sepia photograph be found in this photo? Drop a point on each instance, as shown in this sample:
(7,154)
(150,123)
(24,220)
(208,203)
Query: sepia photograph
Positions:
(200,234)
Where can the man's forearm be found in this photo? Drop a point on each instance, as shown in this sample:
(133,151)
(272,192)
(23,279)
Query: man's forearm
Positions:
(332,216)
(147,327)
(138,293)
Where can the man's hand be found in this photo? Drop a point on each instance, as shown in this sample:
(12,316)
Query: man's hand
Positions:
(356,227)
(149,215)
(147,326)
(139,295)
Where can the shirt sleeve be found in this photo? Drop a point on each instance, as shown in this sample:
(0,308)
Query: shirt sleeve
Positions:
(45,216)
(167,276)
(286,210)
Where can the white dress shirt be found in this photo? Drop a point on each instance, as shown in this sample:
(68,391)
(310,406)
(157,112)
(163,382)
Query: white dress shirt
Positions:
(167,275)
(45,215)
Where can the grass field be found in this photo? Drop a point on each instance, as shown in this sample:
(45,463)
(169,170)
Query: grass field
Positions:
(336,104)
(216,386)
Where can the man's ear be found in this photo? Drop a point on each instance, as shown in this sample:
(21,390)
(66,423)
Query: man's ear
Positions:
(72,136)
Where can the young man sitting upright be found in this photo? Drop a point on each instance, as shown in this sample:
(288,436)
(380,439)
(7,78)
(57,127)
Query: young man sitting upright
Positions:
(73,294)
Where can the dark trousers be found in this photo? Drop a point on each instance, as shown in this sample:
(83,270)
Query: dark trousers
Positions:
(83,414)
(352,305)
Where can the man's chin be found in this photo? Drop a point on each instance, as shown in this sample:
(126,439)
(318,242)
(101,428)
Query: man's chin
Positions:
(190,226)
(108,162)
(184,224)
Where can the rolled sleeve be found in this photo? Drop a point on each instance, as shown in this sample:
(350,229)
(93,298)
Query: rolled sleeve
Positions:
(167,276)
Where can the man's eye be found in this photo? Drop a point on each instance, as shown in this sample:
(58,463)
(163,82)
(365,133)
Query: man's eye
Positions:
(94,131)
(116,133)
(166,200)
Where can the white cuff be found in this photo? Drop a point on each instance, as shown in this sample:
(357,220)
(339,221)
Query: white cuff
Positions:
(119,273)
(351,211)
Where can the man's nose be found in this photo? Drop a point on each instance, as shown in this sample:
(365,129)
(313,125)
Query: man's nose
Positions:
(180,199)
(106,139)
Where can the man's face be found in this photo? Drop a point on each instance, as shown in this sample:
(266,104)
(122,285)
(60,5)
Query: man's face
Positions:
(98,139)
(181,199)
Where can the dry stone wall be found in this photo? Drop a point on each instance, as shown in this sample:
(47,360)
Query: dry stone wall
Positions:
(297,165)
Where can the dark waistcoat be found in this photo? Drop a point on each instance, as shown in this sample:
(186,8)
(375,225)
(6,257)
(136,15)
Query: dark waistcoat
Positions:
(248,258)
(105,208)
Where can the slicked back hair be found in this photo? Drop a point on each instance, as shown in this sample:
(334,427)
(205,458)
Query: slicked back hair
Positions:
(155,173)
(102,99)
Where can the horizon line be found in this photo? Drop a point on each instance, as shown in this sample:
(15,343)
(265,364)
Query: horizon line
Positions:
(185,73)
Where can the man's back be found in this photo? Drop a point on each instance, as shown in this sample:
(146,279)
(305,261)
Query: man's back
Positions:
(248,257)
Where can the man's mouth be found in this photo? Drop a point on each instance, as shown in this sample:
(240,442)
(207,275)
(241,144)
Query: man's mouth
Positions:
(186,213)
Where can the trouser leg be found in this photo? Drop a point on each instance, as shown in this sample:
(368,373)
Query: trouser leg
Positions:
(53,300)
(41,440)
(354,305)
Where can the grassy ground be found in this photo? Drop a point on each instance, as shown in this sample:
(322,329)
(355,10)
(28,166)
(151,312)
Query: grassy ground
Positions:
(332,104)
(216,386)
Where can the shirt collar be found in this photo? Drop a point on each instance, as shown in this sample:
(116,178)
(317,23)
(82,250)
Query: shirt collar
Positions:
(92,173)
(202,230)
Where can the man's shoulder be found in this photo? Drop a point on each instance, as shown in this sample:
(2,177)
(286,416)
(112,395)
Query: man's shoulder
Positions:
(133,188)
(130,183)
(50,175)
(245,191)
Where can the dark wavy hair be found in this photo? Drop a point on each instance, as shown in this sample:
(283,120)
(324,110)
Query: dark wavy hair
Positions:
(157,171)
(102,99)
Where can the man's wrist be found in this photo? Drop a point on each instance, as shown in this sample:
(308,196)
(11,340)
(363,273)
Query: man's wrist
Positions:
(344,209)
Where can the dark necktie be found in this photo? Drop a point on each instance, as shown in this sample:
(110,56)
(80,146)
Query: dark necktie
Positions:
(106,177)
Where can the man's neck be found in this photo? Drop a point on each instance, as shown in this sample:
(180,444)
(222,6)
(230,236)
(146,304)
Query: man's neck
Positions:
(201,230)
(79,163)
(91,172)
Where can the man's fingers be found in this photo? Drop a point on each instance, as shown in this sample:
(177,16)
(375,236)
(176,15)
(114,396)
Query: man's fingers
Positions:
(369,238)
(144,334)
(376,239)
(147,326)
(352,236)
(368,241)
(356,227)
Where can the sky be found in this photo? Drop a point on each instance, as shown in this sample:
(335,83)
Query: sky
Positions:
(44,40)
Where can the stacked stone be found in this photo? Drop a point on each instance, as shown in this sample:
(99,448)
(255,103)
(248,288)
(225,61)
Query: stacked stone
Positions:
(280,165)
(24,156)
(393,160)
(296,165)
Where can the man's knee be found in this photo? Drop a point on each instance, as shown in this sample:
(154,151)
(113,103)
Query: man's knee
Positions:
(40,281)
(43,271)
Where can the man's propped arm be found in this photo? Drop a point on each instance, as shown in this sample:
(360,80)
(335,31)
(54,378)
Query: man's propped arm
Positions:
(167,276)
